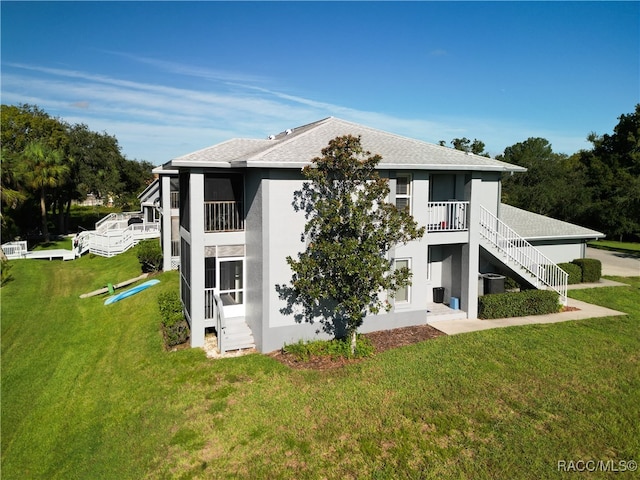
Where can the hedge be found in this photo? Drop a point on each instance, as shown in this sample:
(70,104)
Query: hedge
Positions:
(591,269)
(574,271)
(149,253)
(518,304)
(174,326)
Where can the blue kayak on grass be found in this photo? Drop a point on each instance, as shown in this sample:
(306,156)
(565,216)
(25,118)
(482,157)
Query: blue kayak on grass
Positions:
(131,291)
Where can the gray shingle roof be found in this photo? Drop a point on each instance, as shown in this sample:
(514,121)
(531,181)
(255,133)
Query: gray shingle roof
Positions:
(533,226)
(296,148)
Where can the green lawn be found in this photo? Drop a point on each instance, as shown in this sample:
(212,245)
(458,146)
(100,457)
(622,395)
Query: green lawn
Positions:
(89,392)
(616,246)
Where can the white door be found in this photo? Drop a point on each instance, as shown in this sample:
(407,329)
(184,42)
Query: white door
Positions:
(231,286)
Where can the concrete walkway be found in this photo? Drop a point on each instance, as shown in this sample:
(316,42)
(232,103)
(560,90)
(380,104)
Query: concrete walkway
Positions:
(616,263)
(585,310)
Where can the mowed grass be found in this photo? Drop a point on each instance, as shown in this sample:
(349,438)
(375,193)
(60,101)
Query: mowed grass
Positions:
(89,392)
(632,247)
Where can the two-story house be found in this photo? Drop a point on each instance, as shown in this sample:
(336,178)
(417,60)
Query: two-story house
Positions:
(229,223)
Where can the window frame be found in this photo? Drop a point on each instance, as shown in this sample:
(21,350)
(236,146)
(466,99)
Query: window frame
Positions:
(396,301)
(407,196)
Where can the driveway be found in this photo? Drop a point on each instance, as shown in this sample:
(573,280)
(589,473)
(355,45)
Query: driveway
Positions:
(616,263)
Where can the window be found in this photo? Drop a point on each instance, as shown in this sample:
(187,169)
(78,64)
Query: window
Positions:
(403,192)
(402,294)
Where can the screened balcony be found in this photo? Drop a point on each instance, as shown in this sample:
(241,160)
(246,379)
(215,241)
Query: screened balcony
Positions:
(223,206)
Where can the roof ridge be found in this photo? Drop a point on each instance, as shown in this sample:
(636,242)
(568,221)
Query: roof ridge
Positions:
(289,138)
(416,140)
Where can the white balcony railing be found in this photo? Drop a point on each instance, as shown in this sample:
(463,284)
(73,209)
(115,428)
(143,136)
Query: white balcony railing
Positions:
(447,216)
(223,216)
(174,198)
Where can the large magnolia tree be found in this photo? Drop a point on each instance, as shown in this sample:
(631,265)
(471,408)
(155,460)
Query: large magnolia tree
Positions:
(345,271)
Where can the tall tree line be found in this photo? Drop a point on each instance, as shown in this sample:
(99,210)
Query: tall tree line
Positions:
(597,188)
(46,163)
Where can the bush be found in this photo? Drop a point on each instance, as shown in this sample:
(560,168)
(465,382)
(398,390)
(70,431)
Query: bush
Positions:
(149,255)
(511,284)
(5,267)
(303,351)
(175,328)
(574,271)
(518,304)
(591,269)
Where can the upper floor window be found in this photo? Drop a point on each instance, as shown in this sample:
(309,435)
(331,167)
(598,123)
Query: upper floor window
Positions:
(403,192)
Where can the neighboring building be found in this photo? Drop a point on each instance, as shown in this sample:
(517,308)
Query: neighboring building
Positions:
(228,221)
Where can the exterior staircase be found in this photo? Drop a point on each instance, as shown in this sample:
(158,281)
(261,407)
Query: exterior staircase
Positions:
(236,335)
(520,256)
(233,333)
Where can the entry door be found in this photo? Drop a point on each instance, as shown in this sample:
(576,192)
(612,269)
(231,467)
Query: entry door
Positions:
(231,285)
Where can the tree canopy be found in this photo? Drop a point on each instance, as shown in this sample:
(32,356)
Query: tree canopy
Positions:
(47,163)
(597,188)
(345,271)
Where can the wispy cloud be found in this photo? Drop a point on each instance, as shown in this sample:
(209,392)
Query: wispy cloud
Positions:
(158,122)
(191,70)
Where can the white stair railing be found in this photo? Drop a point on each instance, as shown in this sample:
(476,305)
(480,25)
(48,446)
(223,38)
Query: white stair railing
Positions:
(517,250)
(214,309)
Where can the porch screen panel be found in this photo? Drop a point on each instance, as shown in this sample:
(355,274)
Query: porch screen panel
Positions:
(223,188)
(184,201)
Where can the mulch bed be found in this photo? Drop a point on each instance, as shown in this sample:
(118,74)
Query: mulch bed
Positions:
(381,340)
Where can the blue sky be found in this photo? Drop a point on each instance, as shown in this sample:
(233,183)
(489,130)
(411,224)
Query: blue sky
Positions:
(168,78)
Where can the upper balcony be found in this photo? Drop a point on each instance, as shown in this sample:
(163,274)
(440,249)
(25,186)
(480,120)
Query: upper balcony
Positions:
(450,216)
(223,216)
(223,202)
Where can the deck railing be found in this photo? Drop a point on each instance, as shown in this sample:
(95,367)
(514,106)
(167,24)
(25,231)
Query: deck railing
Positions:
(447,216)
(15,249)
(223,216)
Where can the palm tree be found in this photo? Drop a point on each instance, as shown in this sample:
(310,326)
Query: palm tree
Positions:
(42,168)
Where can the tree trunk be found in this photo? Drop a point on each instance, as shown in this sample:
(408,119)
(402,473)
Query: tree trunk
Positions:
(43,214)
(61,230)
(67,216)
(353,342)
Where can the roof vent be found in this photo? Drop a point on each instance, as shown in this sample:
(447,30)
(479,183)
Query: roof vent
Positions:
(288,131)
(272,137)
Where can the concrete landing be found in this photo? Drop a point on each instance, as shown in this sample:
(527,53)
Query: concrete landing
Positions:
(585,310)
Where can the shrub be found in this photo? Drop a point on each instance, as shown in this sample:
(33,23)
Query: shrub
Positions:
(511,284)
(175,328)
(5,267)
(574,271)
(518,304)
(149,255)
(303,351)
(591,269)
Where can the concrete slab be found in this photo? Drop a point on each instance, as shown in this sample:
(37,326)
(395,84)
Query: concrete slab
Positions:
(616,263)
(585,310)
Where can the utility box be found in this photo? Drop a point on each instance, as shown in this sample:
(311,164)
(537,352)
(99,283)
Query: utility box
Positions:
(493,283)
